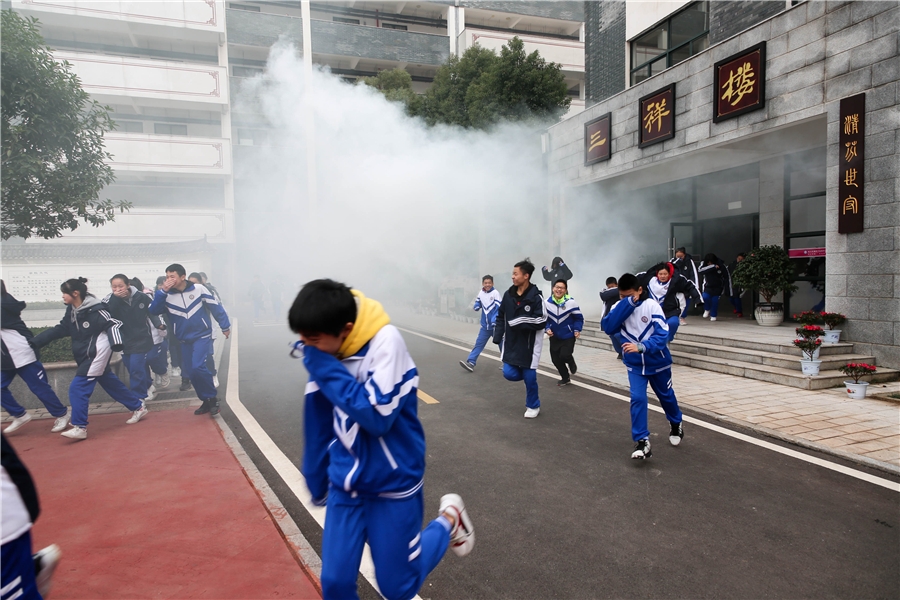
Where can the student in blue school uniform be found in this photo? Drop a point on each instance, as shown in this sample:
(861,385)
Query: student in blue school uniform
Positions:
(19,358)
(641,324)
(364,447)
(95,336)
(564,324)
(487,301)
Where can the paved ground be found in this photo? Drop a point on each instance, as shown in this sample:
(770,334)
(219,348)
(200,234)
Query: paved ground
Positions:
(825,420)
(159,509)
(562,511)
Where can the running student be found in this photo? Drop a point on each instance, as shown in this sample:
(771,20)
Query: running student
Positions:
(129,305)
(211,359)
(609,297)
(364,447)
(564,325)
(191,308)
(715,282)
(487,301)
(95,336)
(684,264)
(20,359)
(519,333)
(640,322)
(671,290)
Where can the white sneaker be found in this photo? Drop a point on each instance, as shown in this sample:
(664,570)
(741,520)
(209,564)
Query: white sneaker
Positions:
(60,423)
(164,380)
(216,381)
(462,536)
(151,394)
(176,372)
(705,314)
(76,433)
(712,318)
(18,422)
(682,321)
(531,413)
(45,563)
(138,414)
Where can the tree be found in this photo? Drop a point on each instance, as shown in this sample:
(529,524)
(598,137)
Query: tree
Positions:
(766,269)
(395,84)
(53,158)
(480,88)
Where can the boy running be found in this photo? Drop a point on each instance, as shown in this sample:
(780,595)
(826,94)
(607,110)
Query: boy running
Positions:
(364,447)
(641,324)
(487,301)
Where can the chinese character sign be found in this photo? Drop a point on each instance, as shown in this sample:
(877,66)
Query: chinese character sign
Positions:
(657,116)
(740,83)
(597,142)
(851,161)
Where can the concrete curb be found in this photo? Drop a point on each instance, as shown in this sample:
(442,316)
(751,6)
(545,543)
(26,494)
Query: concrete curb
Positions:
(731,421)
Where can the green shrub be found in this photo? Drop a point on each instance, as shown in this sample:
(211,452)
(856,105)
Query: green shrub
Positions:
(766,269)
(57,350)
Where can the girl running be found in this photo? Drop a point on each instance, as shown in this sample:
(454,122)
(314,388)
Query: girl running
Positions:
(129,304)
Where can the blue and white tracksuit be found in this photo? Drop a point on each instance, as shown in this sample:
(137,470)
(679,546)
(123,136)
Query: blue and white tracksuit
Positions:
(519,331)
(18,358)
(157,358)
(137,336)
(95,336)
(715,282)
(487,303)
(644,324)
(364,449)
(191,312)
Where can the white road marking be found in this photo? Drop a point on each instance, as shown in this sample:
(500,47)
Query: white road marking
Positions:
(880,481)
(287,470)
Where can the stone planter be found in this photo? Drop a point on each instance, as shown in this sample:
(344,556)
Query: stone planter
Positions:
(810,367)
(832,336)
(769,314)
(856,390)
(60,376)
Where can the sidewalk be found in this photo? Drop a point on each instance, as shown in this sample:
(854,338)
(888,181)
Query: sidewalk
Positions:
(159,509)
(866,431)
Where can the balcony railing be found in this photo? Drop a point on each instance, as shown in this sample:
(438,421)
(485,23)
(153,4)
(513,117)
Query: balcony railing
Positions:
(161,225)
(141,16)
(169,154)
(247,28)
(341,39)
(114,78)
(568,53)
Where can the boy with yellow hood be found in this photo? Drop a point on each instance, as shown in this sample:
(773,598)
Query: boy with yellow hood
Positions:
(364,447)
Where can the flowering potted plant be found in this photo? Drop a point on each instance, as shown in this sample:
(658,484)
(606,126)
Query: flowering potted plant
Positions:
(768,270)
(856,388)
(811,332)
(808,317)
(832,320)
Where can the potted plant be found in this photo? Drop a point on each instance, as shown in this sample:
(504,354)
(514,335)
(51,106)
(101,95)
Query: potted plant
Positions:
(832,320)
(769,271)
(808,317)
(856,388)
(808,341)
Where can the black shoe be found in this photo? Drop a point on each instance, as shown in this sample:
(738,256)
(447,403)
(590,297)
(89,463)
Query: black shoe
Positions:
(676,433)
(573,369)
(185,385)
(467,366)
(214,406)
(618,357)
(203,409)
(642,449)
(563,382)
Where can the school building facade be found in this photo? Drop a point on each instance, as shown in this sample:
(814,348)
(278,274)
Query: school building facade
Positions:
(722,126)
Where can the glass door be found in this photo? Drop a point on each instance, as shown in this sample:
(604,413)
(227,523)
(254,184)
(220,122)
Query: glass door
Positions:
(683,235)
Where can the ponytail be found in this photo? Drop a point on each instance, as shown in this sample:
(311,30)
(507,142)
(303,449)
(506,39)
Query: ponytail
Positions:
(70,286)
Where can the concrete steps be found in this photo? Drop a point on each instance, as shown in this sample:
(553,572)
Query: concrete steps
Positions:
(770,361)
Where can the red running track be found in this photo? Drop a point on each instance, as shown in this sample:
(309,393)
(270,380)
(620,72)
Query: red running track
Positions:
(159,509)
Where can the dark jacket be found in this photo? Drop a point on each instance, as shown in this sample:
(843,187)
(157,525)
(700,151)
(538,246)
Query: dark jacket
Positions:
(557,270)
(11,320)
(137,338)
(677,284)
(735,291)
(715,278)
(519,328)
(95,336)
(686,267)
(609,297)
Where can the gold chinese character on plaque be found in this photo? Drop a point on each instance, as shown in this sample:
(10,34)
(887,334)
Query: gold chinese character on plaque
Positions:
(851,205)
(739,83)
(655,112)
(851,124)
(851,151)
(850,178)
(596,140)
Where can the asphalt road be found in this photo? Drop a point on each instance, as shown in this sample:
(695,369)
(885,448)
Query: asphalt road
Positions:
(562,511)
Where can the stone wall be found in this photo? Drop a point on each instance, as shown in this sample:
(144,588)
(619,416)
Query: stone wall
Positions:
(730,17)
(604,51)
(817,53)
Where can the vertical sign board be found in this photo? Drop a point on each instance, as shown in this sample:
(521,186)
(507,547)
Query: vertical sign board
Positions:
(851,148)
(657,117)
(597,145)
(739,82)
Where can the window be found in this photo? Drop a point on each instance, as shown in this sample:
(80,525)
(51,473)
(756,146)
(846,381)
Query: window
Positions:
(393,26)
(243,7)
(169,129)
(130,126)
(345,20)
(245,71)
(679,37)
